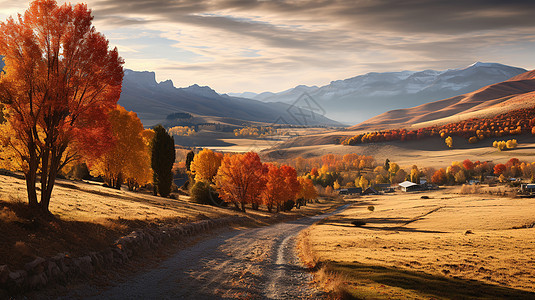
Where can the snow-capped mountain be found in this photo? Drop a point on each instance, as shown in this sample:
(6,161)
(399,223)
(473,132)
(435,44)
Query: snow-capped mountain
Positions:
(358,98)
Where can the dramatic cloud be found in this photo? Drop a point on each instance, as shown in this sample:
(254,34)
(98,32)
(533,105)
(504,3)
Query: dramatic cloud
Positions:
(258,45)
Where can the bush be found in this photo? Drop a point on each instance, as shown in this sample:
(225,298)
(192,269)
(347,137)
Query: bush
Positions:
(358,223)
(371,208)
(201,192)
(288,205)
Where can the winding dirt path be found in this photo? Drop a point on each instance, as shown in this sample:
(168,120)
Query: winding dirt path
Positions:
(259,263)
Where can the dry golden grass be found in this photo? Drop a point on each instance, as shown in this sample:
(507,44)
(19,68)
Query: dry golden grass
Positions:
(449,246)
(89,217)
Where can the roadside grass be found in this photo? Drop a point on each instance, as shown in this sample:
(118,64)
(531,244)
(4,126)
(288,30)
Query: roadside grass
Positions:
(419,248)
(364,281)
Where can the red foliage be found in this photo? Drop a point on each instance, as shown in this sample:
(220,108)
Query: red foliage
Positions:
(510,123)
(467,164)
(499,169)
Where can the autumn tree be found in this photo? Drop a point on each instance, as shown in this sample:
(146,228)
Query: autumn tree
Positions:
(291,188)
(129,158)
(449,141)
(162,160)
(205,165)
(240,179)
(307,191)
(439,177)
(59,81)
(272,192)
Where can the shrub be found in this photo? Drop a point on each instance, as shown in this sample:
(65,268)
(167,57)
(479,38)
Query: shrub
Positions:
(371,208)
(288,205)
(200,192)
(358,223)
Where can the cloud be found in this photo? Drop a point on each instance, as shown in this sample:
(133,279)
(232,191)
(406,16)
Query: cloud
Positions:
(237,45)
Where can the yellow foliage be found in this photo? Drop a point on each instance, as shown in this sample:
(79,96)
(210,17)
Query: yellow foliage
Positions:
(449,141)
(205,165)
(129,159)
(182,131)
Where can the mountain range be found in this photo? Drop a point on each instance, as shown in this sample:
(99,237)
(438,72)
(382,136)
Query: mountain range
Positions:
(514,93)
(154,101)
(356,99)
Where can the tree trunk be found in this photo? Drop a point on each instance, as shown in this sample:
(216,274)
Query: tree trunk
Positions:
(31,190)
(243,207)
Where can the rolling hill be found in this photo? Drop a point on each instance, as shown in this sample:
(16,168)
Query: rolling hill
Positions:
(517,92)
(349,100)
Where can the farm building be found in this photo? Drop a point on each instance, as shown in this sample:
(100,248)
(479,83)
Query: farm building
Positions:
(407,186)
(370,191)
(527,188)
(349,191)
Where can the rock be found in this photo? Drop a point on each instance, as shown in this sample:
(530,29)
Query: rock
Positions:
(85,265)
(52,270)
(4,274)
(468,232)
(37,281)
(36,266)
(17,278)
(60,260)
(107,257)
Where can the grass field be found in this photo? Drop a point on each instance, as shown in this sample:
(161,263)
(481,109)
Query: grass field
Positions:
(90,217)
(449,246)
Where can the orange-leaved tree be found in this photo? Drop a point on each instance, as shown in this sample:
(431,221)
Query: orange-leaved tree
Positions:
(291,187)
(129,159)
(205,165)
(59,81)
(307,191)
(274,189)
(240,179)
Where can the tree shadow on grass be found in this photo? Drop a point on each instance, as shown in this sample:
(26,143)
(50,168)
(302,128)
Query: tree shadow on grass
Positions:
(426,285)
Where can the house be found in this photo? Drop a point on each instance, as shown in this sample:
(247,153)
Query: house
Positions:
(381,186)
(349,191)
(407,186)
(370,191)
(527,188)
(354,190)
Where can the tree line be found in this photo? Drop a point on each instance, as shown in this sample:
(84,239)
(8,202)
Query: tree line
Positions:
(242,179)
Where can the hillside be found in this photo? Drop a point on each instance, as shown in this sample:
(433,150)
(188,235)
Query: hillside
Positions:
(154,101)
(349,100)
(516,93)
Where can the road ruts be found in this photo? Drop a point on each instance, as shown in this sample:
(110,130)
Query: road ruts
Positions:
(259,263)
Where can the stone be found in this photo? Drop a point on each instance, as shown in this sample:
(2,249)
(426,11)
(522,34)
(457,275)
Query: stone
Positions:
(17,277)
(37,281)
(52,270)
(4,274)
(85,265)
(36,266)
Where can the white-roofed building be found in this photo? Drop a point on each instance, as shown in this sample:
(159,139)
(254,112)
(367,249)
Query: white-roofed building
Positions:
(407,186)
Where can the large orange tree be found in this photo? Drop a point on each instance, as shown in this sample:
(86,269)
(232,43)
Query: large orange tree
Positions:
(240,179)
(129,159)
(60,79)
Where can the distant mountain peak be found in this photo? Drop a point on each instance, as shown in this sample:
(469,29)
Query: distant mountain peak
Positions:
(167,84)
(479,64)
(204,91)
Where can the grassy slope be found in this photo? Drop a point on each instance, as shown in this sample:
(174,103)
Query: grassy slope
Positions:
(418,248)
(90,217)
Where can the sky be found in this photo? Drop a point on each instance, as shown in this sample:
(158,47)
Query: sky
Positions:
(263,45)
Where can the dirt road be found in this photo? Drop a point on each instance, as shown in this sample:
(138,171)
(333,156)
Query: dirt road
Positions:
(259,263)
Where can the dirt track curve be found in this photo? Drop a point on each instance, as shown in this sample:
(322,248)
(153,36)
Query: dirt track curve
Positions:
(259,263)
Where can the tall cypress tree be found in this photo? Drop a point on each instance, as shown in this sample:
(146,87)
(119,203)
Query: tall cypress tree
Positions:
(162,159)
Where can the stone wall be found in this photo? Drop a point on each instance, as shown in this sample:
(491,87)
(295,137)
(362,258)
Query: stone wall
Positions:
(62,267)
